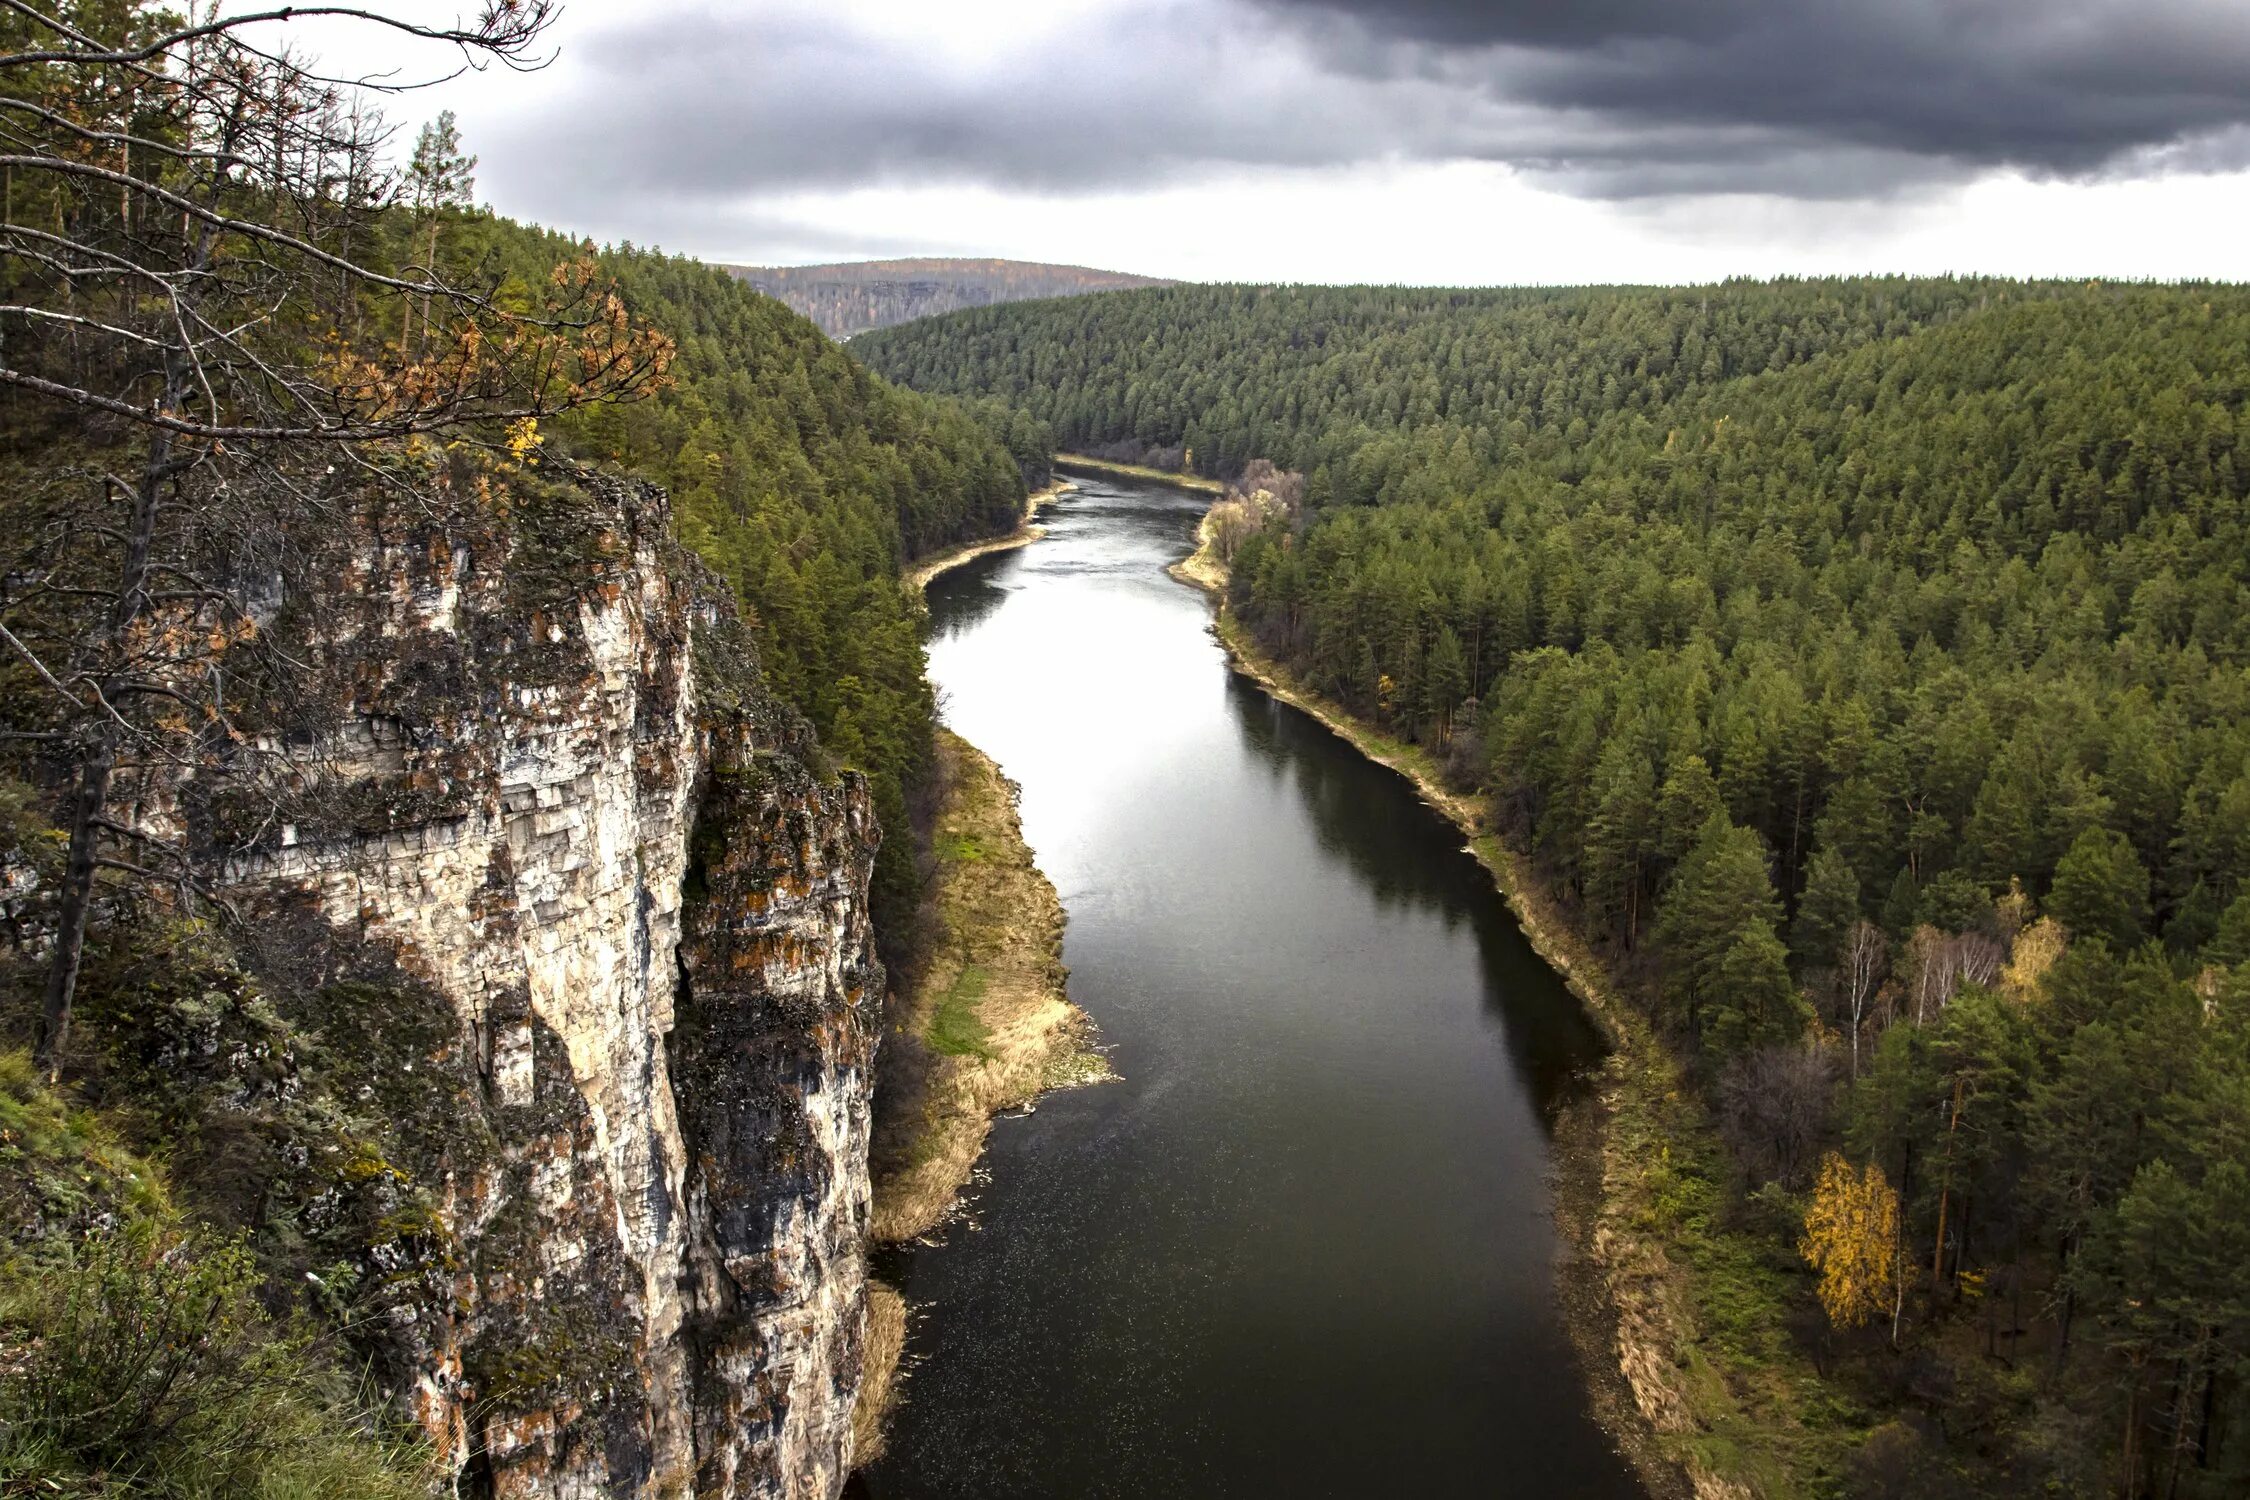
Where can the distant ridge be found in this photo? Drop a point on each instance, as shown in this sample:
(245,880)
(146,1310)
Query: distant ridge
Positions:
(854,296)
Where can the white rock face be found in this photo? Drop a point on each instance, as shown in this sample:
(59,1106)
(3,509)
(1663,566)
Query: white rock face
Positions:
(566,807)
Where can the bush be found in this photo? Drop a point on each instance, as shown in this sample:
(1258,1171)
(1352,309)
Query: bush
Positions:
(135,1357)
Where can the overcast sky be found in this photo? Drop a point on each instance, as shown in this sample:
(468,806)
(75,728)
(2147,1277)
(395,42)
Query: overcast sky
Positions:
(1435,141)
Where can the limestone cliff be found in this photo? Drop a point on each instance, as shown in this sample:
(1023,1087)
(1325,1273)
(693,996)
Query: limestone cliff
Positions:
(534,771)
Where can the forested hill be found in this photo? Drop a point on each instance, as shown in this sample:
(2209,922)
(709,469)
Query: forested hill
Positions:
(854,296)
(808,483)
(1868,664)
(1291,374)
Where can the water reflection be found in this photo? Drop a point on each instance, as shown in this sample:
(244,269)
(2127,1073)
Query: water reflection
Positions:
(1390,848)
(971,594)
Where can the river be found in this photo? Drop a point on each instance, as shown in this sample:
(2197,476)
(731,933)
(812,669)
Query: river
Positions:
(1304,1247)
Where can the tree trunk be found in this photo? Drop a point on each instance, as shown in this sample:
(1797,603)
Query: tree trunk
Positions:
(2203,1423)
(1991,1327)
(86,807)
(1968,1210)
(99,762)
(1945,1190)
(1898,1240)
(2129,1461)
(2183,1387)
(429,273)
(2015,1297)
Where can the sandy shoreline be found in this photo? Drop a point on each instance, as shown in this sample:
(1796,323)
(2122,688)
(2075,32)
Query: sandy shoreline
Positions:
(1137,471)
(988,1028)
(989,1023)
(1028,531)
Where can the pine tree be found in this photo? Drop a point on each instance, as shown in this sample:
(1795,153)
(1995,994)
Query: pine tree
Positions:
(2100,890)
(1689,799)
(440,175)
(1717,929)
(1827,911)
(1445,680)
(1618,840)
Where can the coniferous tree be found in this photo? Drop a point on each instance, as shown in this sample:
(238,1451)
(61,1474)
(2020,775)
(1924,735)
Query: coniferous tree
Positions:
(2101,891)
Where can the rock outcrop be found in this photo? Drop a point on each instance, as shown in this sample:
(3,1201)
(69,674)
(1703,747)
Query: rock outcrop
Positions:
(534,767)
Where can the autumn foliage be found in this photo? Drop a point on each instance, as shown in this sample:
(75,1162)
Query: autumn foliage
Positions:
(1851,1239)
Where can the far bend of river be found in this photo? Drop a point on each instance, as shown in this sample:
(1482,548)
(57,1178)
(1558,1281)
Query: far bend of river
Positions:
(1303,1249)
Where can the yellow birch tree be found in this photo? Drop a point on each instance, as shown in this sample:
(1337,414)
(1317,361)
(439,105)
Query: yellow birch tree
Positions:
(1851,1239)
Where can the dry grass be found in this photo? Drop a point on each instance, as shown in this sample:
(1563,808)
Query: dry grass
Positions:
(1202,567)
(987,1028)
(1141,471)
(878,1386)
(918,577)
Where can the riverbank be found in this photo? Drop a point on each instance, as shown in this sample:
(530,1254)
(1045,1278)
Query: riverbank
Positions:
(988,1027)
(1194,482)
(1027,531)
(1202,567)
(1716,1400)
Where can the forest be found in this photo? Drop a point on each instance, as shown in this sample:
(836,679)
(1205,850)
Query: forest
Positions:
(1864,663)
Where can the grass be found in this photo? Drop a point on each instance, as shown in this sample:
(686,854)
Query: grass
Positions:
(955,1028)
(1752,1410)
(956,847)
(987,1027)
(878,1389)
(137,1360)
(60,1164)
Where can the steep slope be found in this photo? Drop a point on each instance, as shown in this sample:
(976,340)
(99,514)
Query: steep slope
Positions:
(853,297)
(809,484)
(521,1023)
(542,1031)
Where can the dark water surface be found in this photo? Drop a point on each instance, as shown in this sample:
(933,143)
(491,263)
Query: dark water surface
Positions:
(1303,1249)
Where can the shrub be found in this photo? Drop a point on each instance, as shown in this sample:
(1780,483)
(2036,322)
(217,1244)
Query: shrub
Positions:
(136,1359)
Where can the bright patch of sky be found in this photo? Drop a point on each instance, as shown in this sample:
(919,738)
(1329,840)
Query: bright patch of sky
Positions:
(1484,141)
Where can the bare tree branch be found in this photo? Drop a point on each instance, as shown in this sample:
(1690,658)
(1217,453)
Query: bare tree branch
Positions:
(206,314)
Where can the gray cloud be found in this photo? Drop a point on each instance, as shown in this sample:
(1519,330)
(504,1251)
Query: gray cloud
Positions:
(1912,87)
(1562,24)
(1604,98)
(780,100)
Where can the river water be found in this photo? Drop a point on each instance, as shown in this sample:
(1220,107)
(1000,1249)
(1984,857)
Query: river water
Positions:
(1303,1248)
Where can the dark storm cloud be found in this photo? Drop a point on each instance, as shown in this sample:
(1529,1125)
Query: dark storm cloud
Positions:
(1607,98)
(1529,23)
(1892,87)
